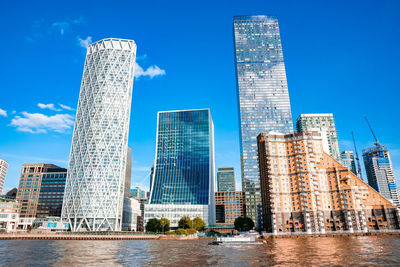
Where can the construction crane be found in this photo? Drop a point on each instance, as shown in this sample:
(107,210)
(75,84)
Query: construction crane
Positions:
(357,158)
(369,125)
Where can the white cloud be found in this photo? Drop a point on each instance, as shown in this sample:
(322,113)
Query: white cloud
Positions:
(65,26)
(61,26)
(85,42)
(151,71)
(40,123)
(3,112)
(48,106)
(66,107)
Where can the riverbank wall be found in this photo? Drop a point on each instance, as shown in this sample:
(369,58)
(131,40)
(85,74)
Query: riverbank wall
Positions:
(305,235)
(75,237)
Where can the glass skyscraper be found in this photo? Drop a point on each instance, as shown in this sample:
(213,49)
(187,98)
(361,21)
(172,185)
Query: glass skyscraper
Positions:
(348,161)
(183,183)
(95,185)
(226,179)
(262,95)
(378,166)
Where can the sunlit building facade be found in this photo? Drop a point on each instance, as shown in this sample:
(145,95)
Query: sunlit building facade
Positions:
(324,123)
(3,173)
(97,174)
(305,190)
(263,96)
(41,190)
(183,183)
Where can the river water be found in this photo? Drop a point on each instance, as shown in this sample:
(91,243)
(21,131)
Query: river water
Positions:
(310,251)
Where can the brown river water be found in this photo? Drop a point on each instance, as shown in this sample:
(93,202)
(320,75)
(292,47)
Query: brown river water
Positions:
(310,251)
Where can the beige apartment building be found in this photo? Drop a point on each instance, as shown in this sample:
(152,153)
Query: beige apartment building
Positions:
(305,190)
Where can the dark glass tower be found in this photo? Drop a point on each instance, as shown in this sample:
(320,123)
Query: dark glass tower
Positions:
(184,167)
(263,96)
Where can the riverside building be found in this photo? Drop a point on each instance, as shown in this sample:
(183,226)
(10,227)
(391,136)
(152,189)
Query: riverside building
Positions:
(95,187)
(380,174)
(263,96)
(348,161)
(9,214)
(229,205)
(3,173)
(41,190)
(226,179)
(183,183)
(305,190)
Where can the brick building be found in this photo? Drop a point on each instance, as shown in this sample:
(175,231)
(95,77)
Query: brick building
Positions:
(306,190)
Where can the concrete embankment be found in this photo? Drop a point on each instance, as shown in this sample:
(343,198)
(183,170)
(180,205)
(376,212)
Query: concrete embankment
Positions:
(75,237)
(266,236)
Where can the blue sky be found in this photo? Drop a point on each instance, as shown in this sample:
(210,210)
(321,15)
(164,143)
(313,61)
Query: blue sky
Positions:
(341,57)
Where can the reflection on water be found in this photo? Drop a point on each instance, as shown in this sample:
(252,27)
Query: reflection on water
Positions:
(322,251)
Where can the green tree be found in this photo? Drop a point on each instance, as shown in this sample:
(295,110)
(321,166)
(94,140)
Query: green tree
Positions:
(153,225)
(244,224)
(164,225)
(185,223)
(191,231)
(198,224)
(181,231)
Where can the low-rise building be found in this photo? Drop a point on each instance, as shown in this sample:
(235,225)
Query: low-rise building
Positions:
(131,215)
(229,205)
(9,214)
(306,190)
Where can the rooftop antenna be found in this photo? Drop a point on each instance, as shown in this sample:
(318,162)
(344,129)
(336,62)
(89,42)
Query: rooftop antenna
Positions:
(357,158)
(369,125)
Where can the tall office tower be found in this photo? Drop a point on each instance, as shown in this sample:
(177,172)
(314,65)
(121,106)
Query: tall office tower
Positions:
(306,190)
(378,166)
(183,182)
(348,161)
(3,173)
(41,190)
(94,191)
(226,179)
(263,96)
(325,125)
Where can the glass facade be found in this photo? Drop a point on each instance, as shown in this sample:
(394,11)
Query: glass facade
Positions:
(378,166)
(226,179)
(348,161)
(97,174)
(51,194)
(183,160)
(184,166)
(263,96)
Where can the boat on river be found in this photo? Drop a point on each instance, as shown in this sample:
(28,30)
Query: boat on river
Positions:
(236,240)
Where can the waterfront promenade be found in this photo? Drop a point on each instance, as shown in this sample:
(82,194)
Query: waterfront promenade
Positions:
(26,236)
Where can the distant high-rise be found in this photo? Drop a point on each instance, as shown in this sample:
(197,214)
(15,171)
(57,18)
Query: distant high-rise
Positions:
(348,161)
(378,166)
(41,190)
(3,173)
(94,192)
(323,123)
(226,179)
(262,94)
(183,183)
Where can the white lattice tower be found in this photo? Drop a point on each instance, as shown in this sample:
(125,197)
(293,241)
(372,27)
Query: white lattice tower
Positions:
(93,198)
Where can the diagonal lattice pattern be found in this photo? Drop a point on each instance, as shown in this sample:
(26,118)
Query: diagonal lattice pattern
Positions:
(93,198)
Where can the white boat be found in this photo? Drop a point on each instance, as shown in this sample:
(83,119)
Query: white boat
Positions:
(235,240)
